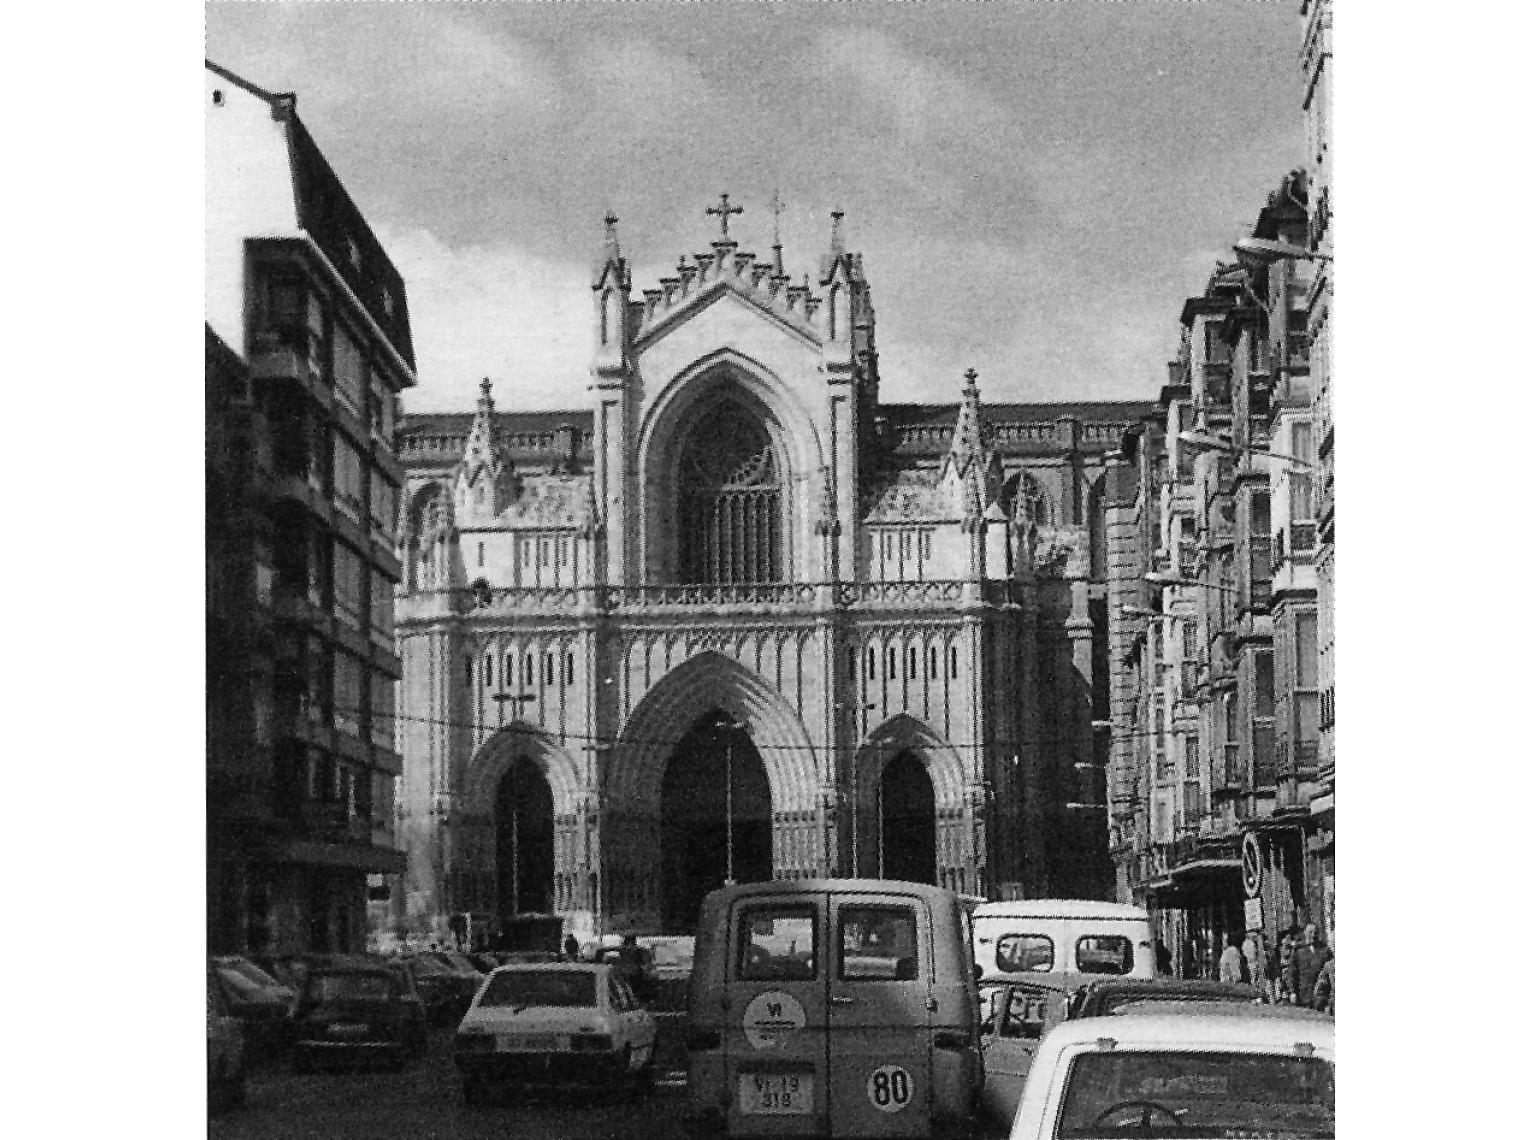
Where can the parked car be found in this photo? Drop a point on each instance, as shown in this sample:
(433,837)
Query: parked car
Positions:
(554,1024)
(446,991)
(1013,1017)
(1199,1070)
(670,958)
(357,1010)
(255,997)
(1117,995)
(226,1050)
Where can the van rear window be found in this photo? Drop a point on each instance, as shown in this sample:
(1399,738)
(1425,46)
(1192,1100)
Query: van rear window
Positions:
(1024,953)
(877,943)
(776,943)
(1104,954)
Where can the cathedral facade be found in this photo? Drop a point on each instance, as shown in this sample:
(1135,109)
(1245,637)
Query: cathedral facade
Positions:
(738,619)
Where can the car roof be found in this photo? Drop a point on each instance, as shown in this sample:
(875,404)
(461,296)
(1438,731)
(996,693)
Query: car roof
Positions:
(1198,1026)
(1157,986)
(1047,981)
(562,967)
(1059,908)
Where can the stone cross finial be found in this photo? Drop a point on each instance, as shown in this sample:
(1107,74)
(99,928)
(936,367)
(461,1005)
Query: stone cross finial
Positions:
(724,211)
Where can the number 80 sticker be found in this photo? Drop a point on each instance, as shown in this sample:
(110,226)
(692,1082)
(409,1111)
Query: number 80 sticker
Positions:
(889,1088)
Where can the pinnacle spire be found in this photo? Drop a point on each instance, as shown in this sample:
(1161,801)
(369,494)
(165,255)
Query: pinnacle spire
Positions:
(970,438)
(837,236)
(611,238)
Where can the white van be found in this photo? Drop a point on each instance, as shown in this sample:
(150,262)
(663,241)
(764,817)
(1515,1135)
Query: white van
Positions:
(1063,936)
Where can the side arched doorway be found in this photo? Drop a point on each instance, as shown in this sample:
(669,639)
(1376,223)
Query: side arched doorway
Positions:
(525,841)
(715,818)
(907,811)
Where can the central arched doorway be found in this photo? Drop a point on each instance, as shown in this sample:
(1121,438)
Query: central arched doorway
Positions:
(907,810)
(714,776)
(526,841)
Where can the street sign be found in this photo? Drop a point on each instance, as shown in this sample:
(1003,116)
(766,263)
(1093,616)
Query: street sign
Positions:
(1251,865)
(1253,915)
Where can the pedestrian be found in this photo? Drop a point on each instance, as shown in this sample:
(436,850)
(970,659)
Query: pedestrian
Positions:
(1309,957)
(1251,949)
(1271,970)
(1288,967)
(1324,995)
(1232,963)
(570,947)
(1162,957)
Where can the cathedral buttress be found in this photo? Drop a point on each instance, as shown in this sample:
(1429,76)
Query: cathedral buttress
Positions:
(615,398)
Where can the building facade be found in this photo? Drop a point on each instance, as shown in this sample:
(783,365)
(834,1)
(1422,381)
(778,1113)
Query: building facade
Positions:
(739,619)
(1315,60)
(307,347)
(1217,759)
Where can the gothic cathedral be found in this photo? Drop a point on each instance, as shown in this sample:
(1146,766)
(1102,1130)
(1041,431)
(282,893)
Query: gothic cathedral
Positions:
(738,619)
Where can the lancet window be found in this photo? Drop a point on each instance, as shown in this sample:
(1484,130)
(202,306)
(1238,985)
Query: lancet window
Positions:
(730,501)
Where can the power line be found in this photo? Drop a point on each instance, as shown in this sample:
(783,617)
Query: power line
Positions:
(519,728)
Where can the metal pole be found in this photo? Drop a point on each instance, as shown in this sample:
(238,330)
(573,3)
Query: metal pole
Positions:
(729,807)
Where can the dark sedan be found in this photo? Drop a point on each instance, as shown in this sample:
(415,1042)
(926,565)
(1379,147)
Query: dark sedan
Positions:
(357,1012)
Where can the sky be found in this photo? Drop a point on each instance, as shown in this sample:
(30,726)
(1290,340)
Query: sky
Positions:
(1035,187)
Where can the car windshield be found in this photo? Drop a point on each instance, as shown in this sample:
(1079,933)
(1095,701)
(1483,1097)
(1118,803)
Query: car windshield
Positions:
(247,971)
(525,988)
(357,986)
(1160,1094)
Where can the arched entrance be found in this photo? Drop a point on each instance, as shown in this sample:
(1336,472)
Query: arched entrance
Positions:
(715,818)
(907,811)
(526,841)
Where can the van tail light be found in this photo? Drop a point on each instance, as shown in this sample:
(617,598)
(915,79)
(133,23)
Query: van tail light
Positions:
(700,1040)
(947,1039)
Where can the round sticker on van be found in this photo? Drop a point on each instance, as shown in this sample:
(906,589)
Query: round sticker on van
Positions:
(889,1088)
(770,1016)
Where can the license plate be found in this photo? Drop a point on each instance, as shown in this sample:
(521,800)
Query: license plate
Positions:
(528,1043)
(346,1029)
(775,1094)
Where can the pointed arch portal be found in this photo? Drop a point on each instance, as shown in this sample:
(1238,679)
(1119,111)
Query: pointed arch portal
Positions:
(907,821)
(717,823)
(525,823)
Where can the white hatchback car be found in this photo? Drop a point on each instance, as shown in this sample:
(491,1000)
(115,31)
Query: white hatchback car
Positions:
(545,1024)
(1197,1074)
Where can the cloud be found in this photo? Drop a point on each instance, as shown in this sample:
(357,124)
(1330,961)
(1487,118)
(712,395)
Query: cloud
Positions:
(493,310)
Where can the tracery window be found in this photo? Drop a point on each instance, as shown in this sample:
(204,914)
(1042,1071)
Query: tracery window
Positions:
(730,498)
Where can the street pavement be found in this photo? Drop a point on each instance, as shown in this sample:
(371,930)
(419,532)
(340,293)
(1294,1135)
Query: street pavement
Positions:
(425,1102)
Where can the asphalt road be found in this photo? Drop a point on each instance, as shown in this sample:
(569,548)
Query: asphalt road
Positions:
(425,1102)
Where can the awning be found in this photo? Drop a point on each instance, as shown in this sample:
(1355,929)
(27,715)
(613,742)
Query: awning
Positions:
(358,856)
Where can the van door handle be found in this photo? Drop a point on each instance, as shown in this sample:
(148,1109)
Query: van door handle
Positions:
(842,1001)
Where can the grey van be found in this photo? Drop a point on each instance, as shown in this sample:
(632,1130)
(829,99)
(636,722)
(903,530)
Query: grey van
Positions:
(832,1007)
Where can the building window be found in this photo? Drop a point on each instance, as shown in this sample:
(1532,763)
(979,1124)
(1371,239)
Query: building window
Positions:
(954,662)
(470,671)
(481,554)
(550,668)
(486,671)
(529,669)
(729,500)
(850,655)
(933,663)
(871,664)
(571,670)
(507,670)
(914,661)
